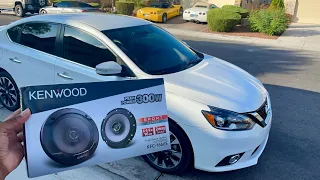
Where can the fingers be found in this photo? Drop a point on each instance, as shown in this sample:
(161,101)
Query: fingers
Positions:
(16,113)
(21,137)
(16,120)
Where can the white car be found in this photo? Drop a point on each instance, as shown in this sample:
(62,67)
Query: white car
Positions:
(198,13)
(220,116)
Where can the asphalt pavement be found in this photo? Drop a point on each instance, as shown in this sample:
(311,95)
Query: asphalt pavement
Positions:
(292,78)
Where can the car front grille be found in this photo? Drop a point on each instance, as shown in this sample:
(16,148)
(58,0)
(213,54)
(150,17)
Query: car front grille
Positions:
(262,110)
(260,115)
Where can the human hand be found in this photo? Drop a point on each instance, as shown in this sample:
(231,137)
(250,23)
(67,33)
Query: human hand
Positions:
(11,149)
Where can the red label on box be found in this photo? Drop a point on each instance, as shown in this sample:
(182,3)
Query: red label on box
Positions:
(153,118)
(160,129)
(147,132)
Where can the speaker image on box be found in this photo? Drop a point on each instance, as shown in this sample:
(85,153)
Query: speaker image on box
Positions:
(69,136)
(118,128)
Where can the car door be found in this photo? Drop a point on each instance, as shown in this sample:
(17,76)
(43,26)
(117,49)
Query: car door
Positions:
(69,8)
(80,53)
(30,53)
(171,10)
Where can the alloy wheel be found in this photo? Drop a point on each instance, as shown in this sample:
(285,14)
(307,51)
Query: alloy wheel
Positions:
(18,10)
(170,158)
(8,94)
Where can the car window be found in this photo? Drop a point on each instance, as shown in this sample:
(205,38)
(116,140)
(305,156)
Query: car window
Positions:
(40,36)
(166,5)
(213,6)
(13,33)
(201,6)
(61,4)
(152,49)
(84,5)
(70,4)
(80,47)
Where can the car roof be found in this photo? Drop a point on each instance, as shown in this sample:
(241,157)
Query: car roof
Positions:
(100,21)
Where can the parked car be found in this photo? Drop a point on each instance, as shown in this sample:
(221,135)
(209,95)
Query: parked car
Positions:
(198,13)
(160,12)
(68,7)
(219,115)
(21,7)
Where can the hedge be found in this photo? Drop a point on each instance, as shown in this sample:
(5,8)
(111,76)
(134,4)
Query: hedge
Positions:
(222,20)
(269,21)
(125,8)
(243,12)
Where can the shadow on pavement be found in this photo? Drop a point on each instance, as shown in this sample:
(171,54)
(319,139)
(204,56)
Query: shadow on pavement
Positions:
(293,147)
(256,60)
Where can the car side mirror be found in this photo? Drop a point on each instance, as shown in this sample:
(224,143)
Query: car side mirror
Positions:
(108,68)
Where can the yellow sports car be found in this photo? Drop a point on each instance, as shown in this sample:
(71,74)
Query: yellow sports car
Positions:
(160,12)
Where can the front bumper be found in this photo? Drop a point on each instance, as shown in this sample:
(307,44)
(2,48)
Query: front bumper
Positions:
(211,146)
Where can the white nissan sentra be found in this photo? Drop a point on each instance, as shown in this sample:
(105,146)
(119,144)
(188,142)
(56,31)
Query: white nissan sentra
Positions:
(220,116)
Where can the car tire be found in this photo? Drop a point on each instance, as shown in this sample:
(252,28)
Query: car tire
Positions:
(181,148)
(19,11)
(9,92)
(164,18)
(43,11)
(180,11)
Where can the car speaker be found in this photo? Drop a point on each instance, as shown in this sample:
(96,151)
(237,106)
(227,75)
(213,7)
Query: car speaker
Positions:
(118,128)
(69,136)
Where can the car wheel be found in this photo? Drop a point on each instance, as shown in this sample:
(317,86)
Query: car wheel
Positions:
(9,92)
(181,12)
(164,18)
(43,11)
(19,11)
(176,160)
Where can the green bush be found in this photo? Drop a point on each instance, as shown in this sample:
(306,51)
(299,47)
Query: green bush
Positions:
(269,21)
(277,4)
(243,12)
(222,20)
(125,8)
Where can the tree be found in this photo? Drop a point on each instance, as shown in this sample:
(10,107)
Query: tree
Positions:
(277,4)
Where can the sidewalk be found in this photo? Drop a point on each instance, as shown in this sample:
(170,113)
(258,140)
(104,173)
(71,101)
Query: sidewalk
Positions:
(297,36)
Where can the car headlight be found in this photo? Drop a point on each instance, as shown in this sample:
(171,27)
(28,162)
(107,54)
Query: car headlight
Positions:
(228,120)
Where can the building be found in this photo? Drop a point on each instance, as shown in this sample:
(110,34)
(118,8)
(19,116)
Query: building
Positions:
(304,11)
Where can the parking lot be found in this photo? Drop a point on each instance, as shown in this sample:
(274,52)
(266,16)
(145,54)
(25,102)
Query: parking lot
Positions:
(292,77)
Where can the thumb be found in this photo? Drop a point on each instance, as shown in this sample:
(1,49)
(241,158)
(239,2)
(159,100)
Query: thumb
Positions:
(16,120)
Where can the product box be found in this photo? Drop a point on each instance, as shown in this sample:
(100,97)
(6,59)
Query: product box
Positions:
(84,124)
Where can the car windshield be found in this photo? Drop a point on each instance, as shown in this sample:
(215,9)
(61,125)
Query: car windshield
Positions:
(201,6)
(153,50)
(156,5)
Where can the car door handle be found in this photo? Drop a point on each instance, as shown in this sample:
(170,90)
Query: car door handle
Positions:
(15,60)
(65,76)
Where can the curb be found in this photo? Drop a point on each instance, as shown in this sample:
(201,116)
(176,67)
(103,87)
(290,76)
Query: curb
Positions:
(297,45)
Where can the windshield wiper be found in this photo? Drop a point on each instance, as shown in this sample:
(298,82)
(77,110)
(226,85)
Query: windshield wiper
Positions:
(192,63)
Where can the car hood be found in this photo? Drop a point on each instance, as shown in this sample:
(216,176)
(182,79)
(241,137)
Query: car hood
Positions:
(2,27)
(217,83)
(197,9)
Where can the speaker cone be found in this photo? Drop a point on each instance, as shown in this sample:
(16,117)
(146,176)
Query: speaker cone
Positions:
(118,128)
(69,136)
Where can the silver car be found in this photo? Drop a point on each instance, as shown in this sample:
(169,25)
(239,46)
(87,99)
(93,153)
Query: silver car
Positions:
(68,7)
